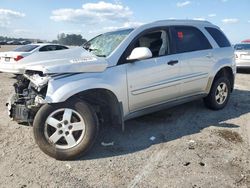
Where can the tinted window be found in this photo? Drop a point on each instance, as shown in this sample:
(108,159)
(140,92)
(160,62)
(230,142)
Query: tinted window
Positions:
(190,39)
(219,37)
(26,48)
(61,47)
(157,42)
(52,48)
(242,47)
(47,48)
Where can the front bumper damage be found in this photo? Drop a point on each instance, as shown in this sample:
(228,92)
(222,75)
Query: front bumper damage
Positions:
(18,112)
(27,99)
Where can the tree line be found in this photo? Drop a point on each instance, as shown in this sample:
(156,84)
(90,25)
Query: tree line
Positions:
(70,39)
(64,39)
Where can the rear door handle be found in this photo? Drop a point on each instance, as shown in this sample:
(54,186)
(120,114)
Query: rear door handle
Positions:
(173,62)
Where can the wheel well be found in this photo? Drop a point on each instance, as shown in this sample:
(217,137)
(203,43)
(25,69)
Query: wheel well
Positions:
(226,72)
(105,104)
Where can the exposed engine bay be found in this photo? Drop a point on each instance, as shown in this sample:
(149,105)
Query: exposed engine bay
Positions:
(30,90)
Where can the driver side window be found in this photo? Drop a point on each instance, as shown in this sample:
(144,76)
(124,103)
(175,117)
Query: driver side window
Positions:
(156,41)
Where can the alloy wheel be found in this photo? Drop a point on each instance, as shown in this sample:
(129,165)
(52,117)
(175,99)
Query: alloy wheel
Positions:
(221,93)
(64,128)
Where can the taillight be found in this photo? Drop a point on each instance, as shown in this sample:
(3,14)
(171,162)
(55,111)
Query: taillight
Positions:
(18,58)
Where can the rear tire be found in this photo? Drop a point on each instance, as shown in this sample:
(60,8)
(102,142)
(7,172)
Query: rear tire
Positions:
(219,94)
(67,130)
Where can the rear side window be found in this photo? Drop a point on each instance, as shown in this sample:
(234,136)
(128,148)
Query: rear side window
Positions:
(47,48)
(219,37)
(52,48)
(26,48)
(189,39)
(61,47)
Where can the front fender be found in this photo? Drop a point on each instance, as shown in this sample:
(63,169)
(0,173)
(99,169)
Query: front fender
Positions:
(113,79)
(59,91)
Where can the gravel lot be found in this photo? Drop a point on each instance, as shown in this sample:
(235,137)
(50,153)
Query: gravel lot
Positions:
(193,147)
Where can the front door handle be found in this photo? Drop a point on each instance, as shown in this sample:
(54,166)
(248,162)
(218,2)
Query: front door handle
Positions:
(173,62)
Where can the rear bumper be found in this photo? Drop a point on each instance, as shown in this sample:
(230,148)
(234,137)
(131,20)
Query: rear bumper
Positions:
(11,68)
(243,63)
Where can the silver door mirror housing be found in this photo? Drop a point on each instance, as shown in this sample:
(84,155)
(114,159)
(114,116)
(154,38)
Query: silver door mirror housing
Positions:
(140,53)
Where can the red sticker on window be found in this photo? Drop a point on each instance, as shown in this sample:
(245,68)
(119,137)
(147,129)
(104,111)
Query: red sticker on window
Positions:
(180,35)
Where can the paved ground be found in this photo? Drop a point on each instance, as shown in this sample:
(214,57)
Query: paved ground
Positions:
(193,147)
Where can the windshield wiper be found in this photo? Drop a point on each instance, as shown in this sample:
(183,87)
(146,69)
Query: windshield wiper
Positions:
(86,45)
(95,49)
(92,49)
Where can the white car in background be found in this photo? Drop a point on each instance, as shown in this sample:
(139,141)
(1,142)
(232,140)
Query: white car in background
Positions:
(242,55)
(12,59)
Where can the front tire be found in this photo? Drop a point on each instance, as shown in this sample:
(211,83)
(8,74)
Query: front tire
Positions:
(66,130)
(219,94)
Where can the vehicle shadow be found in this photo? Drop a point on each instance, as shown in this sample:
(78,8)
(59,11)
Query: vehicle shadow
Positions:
(168,125)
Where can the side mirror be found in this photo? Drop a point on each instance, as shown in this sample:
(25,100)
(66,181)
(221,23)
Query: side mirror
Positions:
(140,53)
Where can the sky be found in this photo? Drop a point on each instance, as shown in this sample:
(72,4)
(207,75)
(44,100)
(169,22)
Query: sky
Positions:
(45,19)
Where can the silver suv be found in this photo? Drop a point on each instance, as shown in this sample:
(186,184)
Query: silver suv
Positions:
(121,75)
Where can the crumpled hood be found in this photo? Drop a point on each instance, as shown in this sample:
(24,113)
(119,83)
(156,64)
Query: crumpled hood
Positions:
(74,60)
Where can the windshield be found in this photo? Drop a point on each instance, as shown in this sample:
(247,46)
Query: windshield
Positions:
(104,44)
(242,47)
(26,48)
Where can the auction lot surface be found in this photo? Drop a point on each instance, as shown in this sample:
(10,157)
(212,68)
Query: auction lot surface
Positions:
(185,146)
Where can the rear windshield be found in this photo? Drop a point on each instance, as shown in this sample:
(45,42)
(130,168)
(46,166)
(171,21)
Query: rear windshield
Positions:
(242,47)
(26,48)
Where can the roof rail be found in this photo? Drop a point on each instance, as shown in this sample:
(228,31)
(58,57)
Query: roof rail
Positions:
(184,20)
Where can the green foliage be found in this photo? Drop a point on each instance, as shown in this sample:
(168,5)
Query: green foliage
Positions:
(64,39)
(70,39)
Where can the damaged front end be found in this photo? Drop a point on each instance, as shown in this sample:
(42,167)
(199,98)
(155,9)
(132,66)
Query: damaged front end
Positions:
(30,91)
(31,87)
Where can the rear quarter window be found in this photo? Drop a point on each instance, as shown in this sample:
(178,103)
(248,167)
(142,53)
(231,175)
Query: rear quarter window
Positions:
(52,48)
(61,47)
(219,37)
(189,39)
(48,48)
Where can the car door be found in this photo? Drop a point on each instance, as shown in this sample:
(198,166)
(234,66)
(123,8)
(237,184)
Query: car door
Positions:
(195,59)
(155,80)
